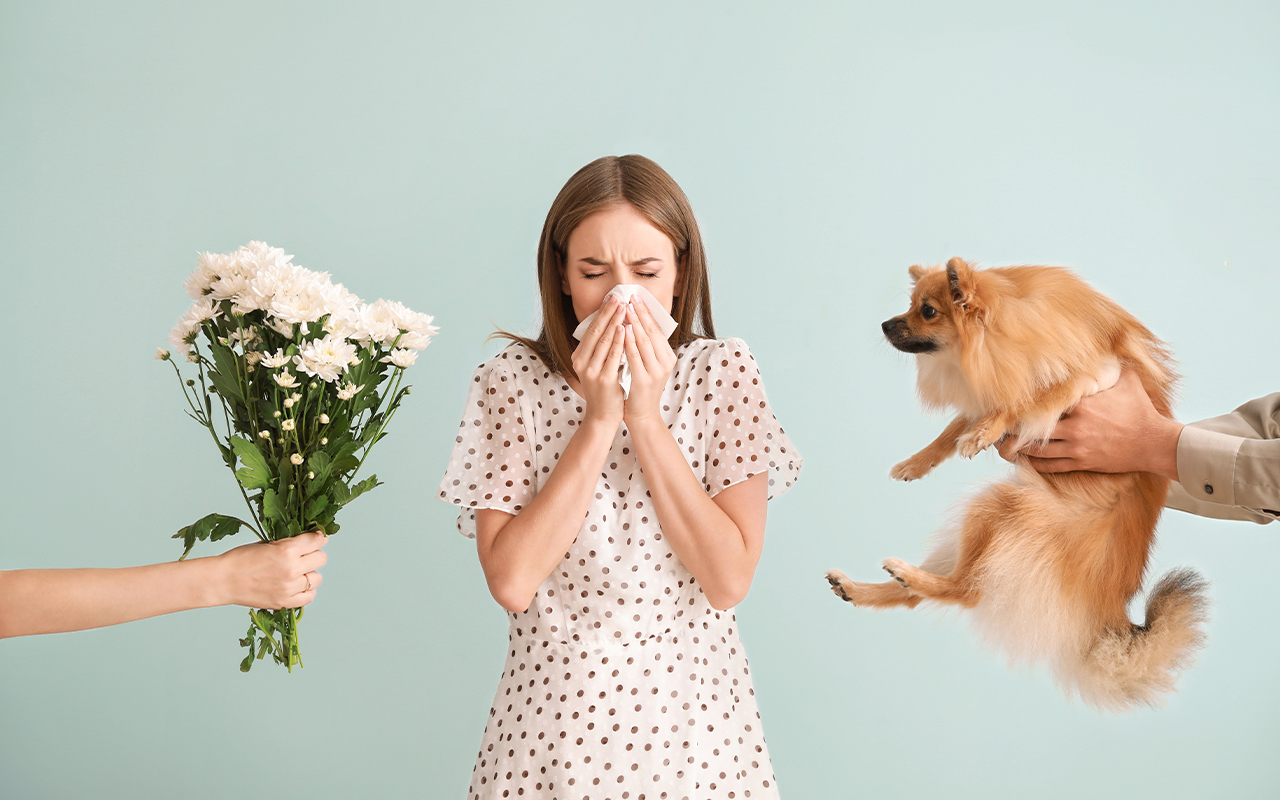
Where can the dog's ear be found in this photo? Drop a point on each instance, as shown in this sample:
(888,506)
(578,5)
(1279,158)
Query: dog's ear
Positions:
(916,272)
(960,278)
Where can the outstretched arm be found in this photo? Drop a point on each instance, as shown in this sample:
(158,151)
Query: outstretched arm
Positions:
(259,575)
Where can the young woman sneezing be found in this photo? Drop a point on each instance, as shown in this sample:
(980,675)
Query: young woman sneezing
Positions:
(619,529)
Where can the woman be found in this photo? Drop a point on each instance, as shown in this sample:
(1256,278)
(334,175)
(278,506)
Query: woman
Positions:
(619,530)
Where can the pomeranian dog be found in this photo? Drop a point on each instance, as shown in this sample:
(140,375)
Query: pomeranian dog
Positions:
(1046,563)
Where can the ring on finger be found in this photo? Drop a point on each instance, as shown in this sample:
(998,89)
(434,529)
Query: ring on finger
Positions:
(308,577)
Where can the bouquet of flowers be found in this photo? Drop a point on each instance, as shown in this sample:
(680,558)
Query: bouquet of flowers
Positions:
(307,378)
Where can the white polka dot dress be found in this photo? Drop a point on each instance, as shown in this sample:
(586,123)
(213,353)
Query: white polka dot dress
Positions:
(621,681)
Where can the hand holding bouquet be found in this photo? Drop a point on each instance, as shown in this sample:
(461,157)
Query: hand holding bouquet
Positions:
(306,377)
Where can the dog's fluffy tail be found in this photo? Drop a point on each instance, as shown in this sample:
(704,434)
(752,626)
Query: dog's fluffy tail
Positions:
(1126,668)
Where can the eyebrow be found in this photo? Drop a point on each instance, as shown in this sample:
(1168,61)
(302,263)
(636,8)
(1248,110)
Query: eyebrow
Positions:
(595,262)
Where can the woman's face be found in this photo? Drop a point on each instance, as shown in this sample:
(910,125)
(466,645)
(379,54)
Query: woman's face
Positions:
(613,246)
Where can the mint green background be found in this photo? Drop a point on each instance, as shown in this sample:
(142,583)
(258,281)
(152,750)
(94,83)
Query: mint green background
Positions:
(412,149)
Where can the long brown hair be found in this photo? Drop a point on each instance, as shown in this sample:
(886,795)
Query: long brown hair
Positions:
(604,183)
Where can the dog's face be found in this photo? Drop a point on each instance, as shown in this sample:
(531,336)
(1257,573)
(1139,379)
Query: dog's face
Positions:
(940,303)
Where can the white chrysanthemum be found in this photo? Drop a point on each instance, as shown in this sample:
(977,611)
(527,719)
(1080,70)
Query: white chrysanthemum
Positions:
(286,380)
(269,280)
(344,312)
(303,301)
(230,283)
(275,360)
(377,323)
(281,327)
(349,390)
(244,336)
(201,280)
(184,333)
(325,358)
(389,323)
(203,310)
(295,459)
(412,340)
(401,358)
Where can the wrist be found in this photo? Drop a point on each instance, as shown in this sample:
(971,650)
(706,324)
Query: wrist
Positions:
(209,581)
(645,425)
(1164,456)
(599,429)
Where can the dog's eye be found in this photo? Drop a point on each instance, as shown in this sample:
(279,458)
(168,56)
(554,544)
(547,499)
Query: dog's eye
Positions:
(928,312)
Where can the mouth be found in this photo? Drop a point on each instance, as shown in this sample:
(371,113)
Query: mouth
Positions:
(914,344)
(898,334)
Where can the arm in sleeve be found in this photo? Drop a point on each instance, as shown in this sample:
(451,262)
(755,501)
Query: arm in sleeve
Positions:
(492,461)
(1230,465)
(744,438)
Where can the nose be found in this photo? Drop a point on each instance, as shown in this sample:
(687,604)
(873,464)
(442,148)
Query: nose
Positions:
(890,325)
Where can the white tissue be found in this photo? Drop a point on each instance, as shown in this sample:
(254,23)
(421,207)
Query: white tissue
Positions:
(625,292)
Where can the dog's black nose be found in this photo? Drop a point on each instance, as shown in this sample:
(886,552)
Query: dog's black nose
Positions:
(889,324)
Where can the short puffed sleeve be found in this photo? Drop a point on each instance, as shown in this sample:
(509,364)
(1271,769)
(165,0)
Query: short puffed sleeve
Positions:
(492,461)
(743,436)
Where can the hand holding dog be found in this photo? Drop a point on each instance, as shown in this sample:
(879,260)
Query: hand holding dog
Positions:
(1116,430)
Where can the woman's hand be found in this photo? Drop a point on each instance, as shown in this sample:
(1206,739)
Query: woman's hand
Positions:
(261,575)
(596,361)
(651,358)
(1115,430)
(272,575)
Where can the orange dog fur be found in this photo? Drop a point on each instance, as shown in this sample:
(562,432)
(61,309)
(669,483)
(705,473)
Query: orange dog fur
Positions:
(1046,563)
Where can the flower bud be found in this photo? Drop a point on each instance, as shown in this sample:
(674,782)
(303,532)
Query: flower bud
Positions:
(324,419)
(190,382)
(264,434)
(276,414)
(324,440)
(162,354)
(288,403)
(295,459)
(287,424)
(311,476)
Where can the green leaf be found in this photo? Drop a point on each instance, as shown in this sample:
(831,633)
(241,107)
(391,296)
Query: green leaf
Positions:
(344,459)
(272,507)
(316,506)
(341,493)
(360,488)
(209,528)
(226,375)
(255,474)
(225,526)
(319,465)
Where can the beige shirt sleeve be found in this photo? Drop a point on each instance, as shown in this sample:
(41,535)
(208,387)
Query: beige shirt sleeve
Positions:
(1230,465)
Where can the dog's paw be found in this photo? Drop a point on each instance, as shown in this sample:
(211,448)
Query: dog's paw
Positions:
(913,469)
(974,442)
(898,570)
(839,581)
